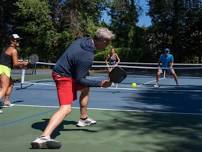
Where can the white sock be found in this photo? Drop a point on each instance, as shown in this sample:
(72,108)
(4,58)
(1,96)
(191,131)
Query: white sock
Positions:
(47,137)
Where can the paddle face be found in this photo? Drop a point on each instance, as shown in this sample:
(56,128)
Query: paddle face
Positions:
(117,75)
(33,58)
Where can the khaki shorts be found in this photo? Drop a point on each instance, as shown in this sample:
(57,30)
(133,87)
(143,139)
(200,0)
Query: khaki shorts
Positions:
(5,70)
(168,70)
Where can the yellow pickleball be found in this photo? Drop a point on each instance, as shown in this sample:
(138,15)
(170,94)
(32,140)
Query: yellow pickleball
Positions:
(133,85)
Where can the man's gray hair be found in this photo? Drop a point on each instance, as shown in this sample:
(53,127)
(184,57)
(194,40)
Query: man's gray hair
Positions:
(104,33)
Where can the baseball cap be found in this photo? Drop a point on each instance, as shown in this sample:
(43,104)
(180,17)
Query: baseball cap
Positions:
(166,50)
(15,37)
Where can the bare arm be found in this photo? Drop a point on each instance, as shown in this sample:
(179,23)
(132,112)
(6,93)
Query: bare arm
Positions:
(118,59)
(159,63)
(16,61)
(106,60)
(171,64)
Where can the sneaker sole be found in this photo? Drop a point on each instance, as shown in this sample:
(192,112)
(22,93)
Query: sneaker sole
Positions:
(8,106)
(38,146)
(53,145)
(46,145)
(86,125)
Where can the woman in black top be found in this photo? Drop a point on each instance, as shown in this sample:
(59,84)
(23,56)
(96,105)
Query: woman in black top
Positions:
(112,59)
(8,60)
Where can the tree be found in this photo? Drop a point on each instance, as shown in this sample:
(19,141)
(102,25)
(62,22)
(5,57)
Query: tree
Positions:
(7,19)
(123,22)
(176,25)
(79,14)
(34,22)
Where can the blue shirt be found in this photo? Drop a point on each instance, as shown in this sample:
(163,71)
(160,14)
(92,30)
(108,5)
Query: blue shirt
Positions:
(76,62)
(166,60)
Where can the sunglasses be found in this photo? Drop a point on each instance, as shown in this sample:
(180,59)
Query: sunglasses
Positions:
(17,40)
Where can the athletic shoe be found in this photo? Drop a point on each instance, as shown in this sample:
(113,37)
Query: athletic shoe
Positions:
(45,143)
(1,111)
(156,85)
(86,122)
(7,105)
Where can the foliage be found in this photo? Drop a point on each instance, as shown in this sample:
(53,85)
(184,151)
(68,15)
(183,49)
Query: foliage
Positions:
(124,18)
(49,26)
(176,25)
(7,20)
(35,24)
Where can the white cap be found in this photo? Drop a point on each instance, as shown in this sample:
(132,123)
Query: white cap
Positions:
(15,36)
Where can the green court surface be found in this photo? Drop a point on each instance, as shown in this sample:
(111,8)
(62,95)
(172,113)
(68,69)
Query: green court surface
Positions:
(115,131)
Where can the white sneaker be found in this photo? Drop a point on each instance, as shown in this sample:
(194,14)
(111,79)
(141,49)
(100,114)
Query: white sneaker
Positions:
(45,143)
(8,105)
(87,122)
(156,85)
(1,111)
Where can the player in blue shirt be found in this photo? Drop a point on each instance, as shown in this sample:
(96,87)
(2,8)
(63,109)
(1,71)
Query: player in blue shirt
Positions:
(165,64)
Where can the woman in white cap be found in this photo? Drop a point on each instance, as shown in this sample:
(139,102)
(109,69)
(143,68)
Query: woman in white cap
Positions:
(9,60)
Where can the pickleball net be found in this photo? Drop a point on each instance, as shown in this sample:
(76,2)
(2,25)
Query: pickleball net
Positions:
(140,73)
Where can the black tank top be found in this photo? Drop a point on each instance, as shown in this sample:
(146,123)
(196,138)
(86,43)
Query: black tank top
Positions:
(112,60)
(6,59)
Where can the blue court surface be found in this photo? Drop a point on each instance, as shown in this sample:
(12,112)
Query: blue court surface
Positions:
(169,98)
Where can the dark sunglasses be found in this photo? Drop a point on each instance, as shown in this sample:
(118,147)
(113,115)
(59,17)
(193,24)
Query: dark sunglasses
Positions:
(17,40)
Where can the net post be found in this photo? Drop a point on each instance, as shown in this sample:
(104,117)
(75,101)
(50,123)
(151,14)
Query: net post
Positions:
(22,78)
(34,66)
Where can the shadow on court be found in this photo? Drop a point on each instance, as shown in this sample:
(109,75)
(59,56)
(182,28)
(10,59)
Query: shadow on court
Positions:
(173,121)
(115,131)
(187,99)
(158,132)
(18,101)
(42,125)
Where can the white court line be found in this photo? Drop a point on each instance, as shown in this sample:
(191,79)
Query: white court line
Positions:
(149,82)
(116,110)
(35,83)
(139,88)
(27,84)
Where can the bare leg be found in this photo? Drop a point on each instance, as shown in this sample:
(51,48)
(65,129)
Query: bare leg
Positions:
(158,76)
(84,97)
(174,76)
(5,81)
(8,93)
(164,74)
(56,119)
(84,119)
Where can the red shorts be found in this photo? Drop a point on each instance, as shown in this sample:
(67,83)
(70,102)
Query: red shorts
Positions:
(66,88)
